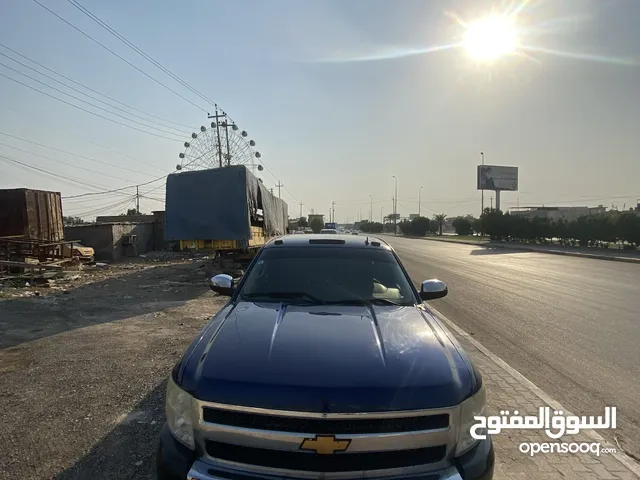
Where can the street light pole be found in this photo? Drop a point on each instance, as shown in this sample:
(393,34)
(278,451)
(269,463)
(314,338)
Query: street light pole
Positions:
(395,206)
(371,209)
(482,201)
(419,199)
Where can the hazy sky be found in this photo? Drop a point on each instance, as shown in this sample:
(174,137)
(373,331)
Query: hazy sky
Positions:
(338,96)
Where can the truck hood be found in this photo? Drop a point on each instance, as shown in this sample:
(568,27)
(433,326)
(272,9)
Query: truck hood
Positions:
(326,359)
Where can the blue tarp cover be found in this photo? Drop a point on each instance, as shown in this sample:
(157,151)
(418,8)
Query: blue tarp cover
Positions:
(217,204)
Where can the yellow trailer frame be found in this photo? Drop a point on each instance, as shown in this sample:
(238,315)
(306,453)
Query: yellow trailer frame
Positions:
(257,240)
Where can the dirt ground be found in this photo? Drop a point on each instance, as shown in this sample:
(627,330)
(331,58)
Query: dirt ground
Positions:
(84,362)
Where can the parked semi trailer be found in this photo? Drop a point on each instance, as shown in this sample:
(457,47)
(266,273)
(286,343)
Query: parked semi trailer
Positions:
(226,209)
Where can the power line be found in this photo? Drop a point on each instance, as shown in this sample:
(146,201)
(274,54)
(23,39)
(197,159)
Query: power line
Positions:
(74,154)
(124,40)
(80,138)
(92,90)
(63,162)
(47,172)
(154,189)
(118,56)
(160,200)
(93,105)
(76,181)
(278,182)
(97,99)
(140,52)
(114,190)
(84,109)
(119,205)
(100,206)
(154,62)
(94,201)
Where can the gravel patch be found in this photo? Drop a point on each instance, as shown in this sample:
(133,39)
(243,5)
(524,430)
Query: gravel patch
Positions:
(83,373)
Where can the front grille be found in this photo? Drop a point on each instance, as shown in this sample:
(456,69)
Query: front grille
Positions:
(325,426)
(337,462)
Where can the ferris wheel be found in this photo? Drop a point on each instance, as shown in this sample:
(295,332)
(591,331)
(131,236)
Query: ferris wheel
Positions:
(219,144)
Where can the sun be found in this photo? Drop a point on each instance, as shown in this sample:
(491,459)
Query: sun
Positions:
(490,38)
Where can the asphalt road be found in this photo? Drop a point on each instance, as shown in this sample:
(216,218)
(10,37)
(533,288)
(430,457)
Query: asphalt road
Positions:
(570,325)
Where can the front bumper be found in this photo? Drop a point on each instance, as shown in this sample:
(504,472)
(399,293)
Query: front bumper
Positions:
(178,462)
(202,471)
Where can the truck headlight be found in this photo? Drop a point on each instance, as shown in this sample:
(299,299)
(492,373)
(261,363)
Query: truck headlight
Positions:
(179,410)
(471,407)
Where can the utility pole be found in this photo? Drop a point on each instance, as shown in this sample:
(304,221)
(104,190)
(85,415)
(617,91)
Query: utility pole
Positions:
(137,201)
(395,207)
(371,209)
(491,199)
(279,185)
(419,199)
(217,122)
(482,201)
(381,215)
(301,209)
(333,211)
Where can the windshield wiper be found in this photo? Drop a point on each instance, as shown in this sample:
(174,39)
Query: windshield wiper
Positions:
(284,296)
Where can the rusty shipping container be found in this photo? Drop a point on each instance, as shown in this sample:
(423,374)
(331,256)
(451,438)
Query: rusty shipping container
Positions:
(31,214)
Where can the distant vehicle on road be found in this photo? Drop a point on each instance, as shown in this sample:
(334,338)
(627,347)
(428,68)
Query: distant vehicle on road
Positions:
(354,233)
(299,232)
(331,231)
(325,363)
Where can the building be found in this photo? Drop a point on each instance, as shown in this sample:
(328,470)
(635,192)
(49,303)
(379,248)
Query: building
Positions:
(117,237)
(557,213)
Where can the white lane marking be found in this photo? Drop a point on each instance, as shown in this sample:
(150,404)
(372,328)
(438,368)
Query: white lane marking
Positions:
(627,461)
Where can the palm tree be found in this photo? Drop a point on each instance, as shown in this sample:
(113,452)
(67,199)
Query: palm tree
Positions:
(440,218)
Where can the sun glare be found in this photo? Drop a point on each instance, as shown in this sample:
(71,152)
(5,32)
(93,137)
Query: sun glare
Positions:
(490,38)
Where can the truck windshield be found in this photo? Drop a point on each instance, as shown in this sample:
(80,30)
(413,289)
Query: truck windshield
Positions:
(327,275)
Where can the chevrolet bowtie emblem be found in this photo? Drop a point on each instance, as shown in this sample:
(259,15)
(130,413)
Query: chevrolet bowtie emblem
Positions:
(325,444)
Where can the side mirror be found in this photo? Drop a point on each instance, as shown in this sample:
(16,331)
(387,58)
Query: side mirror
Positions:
(222,284)
(432,289)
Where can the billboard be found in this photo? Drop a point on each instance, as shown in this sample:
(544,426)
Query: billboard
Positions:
(495,177)
(413,215)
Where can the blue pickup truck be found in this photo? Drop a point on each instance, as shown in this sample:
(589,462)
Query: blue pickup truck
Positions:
(324,364)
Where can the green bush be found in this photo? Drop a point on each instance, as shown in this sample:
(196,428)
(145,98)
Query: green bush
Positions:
(590,230)
(371,227)
(462,226)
